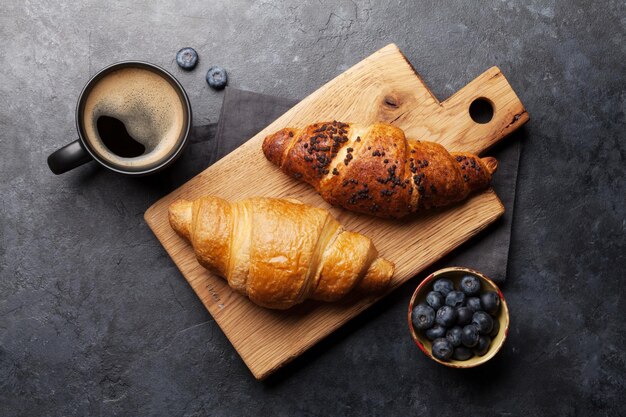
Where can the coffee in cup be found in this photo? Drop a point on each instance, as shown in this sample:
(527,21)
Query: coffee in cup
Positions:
(132,117)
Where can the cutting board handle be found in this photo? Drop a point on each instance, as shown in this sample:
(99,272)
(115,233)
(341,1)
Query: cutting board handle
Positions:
(508,111)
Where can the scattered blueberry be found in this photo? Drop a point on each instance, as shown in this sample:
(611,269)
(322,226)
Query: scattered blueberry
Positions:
(423,317)
(217,77)
(473,303)
(463,315)
(454,336)
(435,299)
(435,332)
(470,336)
(455,299)
(483,322)
(442,349)
(187,58)
(444,286)
(462,353)
(446,316)
(484,342)
(490,302)
(470,284)
(495,329)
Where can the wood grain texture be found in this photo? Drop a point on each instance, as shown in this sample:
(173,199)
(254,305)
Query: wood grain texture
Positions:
(383,87)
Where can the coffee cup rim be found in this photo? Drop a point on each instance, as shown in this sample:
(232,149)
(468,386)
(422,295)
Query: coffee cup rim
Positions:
(137,64)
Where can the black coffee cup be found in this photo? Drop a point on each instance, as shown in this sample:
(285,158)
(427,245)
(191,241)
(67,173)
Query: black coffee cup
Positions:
(86,148)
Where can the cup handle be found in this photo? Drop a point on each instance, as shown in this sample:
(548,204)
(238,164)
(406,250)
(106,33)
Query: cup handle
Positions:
(68,157)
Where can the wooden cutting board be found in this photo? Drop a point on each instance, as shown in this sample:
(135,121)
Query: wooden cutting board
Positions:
(382,87)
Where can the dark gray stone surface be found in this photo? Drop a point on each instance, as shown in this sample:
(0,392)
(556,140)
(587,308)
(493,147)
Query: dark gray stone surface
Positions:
(95,318)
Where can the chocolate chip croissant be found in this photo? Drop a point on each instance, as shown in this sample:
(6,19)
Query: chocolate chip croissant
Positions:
(279,252)
(374,169)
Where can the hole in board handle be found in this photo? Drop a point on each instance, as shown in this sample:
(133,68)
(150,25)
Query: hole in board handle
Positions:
(481,110)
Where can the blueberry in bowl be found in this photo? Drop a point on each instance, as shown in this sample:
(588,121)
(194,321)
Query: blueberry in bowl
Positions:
(436,332)
(470,336)
(482,347)
(462,353)
(455,335)
(464,315)
(496,329)
(442,349)
(455,299)
(445,316)
(435,299)
(490,302)
(423,317)
(471,317)
(473,303)
(444,286)
(483,322)
(470,285)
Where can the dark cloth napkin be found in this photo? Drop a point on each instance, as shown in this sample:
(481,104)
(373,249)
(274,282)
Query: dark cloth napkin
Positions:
(245,113)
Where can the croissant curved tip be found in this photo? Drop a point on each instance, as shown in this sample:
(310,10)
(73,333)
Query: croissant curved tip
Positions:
(275,144)
(180,216)
(378,276)
(491,163)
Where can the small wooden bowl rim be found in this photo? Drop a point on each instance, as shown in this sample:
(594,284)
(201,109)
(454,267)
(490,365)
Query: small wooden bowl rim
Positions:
(493,349)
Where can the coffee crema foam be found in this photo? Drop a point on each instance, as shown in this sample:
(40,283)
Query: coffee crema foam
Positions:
(147,104)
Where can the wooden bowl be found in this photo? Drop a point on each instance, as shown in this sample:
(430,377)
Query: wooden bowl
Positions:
(455,274)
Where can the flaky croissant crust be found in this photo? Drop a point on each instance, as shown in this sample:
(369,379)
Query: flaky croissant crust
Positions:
(374,169)
(279,252)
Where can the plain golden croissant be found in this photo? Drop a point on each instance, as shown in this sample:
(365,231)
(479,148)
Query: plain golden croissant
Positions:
(279,252)
(374,169)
